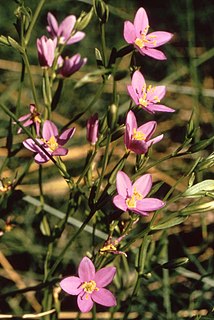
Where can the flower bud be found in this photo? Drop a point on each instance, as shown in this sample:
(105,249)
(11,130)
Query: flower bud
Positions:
(101,10)
(92,129)
(175,263)
(112,116)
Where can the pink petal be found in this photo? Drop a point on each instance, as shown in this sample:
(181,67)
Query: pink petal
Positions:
(154,53)
(49,130)
(23,118)
(71,285)
(27,123)
(138,146)
(78,36)
(131,121)
(149,204)
(148,128)
(143,184)
(158,91)
(41,158)
(155,140)
(159,107)
(141,21)
(85,302)
(65,136)
(138,83)
(129,32)
(30,145)
(104,276)
(104,297)
(133,94)
(120,202)
(52,27)
(66,27)
(160,38)
(86,270)
(124,185)
(60,151)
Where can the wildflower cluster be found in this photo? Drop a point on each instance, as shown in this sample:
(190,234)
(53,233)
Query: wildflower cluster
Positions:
(100,183)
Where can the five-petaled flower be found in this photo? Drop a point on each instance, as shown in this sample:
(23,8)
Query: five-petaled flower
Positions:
(132,197)
(92,129)
(51,142)
(138,139)
(46,51)
(68,66)
(32,118)
(90,285)
(147,97)
(136,34)
(64,32)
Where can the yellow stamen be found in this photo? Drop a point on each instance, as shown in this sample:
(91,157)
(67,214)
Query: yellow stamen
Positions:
(52,144)
(109,247)
(137,195)
(143,40)
(138,135)
(89,287)
(131,202)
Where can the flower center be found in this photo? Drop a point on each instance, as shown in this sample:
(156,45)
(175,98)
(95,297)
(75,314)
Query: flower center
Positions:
(52,144)
(89,287)
(143,40)
(137,195)
(109,247)
(138,135)
(131,202)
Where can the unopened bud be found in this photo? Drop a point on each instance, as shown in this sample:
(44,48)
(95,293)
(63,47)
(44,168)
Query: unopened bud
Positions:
(175,263)
(83,20)
(101,10)
(112,116)
(92,129)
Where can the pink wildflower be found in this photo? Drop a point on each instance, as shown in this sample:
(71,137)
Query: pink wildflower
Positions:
(68,66)
(90,285)
(31,118)
(51,142)
(65,32)
(132,197)
(92,128)
(136,34)
(138,139)
(46,51)
(147,97)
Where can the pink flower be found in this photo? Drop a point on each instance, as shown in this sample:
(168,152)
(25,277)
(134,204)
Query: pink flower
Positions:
(92,128)
(31,118)
(90,285)
(147,97)
(64,33)
(46,51)
(138,139)
(136,34)
(68,66)
(51,142)
(132,197)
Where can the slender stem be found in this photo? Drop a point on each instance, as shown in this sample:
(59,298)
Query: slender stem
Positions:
(103,43)
(61,255)
(26,61)
(33,21)
(104,164)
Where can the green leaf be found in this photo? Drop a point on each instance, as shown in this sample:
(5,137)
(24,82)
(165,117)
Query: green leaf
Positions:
(200,189)
(165,224)
(198,208)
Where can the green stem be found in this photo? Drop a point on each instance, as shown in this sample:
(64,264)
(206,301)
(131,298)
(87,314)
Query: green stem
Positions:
(26,61)
(104,164)
(103,43)
(61,255)
(33,21)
